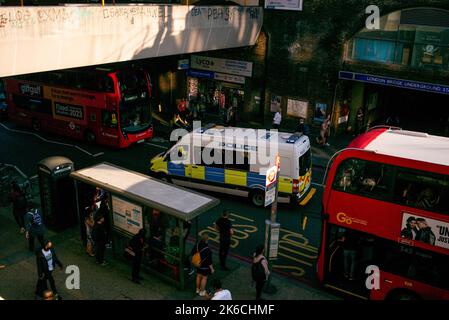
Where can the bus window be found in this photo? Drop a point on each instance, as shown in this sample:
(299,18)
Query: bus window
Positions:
(106,84)
(422,190)
(370,179)
(33,104)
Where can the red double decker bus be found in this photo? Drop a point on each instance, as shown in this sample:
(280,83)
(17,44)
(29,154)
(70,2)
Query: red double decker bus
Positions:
(106,106)
(386,217)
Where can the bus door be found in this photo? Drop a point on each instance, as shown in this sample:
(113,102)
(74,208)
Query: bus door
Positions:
(348,253)
(109,130)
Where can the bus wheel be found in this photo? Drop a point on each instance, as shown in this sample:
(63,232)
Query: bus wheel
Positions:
(257,197)
(402,295)
(36,124)
(90,136)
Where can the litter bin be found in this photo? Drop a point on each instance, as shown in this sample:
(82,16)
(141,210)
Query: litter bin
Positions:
(58,193)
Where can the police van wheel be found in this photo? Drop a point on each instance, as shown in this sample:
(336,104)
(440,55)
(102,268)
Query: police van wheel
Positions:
(90,136)
(257,198)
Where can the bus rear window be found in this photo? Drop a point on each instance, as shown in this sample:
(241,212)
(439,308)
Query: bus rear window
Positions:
(304,163)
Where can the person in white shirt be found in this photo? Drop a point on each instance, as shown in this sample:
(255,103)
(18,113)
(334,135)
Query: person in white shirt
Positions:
(219,292)
(277,120)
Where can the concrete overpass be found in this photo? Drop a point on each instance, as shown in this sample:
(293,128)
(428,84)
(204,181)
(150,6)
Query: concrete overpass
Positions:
(35,39)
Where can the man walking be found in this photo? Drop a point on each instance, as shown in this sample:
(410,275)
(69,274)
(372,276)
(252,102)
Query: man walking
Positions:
(100,237)
(34,227)
(137,244)
(46,261)
(224,226)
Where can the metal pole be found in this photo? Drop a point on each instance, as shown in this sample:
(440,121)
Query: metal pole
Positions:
(269,288)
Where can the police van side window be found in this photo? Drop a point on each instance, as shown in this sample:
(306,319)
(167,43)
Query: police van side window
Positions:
(237,160)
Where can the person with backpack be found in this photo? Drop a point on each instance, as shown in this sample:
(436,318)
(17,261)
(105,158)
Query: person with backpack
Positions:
(19,205)
(202,260)
(34,227)
(259,270)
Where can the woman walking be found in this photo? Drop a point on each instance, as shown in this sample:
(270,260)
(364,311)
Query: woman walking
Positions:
(205,267)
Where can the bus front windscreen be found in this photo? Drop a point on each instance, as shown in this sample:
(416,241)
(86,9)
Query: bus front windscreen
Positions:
(135,113)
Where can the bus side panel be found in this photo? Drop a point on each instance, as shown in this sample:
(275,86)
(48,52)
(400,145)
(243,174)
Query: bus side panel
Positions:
(389,284)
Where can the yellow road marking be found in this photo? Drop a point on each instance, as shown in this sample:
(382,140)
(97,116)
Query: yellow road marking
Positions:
(345,291)
(304,244)
(301,272)
(308,197)
(297,252)
(294,259)
(243,218)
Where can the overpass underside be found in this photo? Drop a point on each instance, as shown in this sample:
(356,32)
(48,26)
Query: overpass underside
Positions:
(35,39)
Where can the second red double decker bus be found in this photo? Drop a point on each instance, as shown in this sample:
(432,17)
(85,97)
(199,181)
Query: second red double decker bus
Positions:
(106,106)
(386,217)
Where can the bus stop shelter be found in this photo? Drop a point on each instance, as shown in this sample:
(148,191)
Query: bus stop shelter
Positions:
(134,201)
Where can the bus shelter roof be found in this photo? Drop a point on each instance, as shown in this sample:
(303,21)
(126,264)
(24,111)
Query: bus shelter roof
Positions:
(176,201)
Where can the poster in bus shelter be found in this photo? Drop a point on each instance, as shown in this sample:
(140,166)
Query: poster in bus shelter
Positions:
(127,216)
(424,229)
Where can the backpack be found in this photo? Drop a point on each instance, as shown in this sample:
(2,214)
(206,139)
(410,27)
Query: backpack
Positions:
(36,218)
(258,271)
(196,258)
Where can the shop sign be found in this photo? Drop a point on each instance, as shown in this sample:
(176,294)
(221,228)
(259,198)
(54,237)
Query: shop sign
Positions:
(392,82)
(236,67)
(229,78)
(295,5)
(183,64)
(200,74)
(297,108)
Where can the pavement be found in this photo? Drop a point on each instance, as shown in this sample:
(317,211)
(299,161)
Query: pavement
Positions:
(112,282)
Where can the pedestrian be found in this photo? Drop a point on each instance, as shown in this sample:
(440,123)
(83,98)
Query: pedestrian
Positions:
(350,243)
(100,237)
(359,121)
(137,244)
(89,222)
(48,295)
(302,127)
(260,271)
(19,205)
(325,131)
(205,267)
(277,120)
(218,292)
(34,227)
(224,226)
(46,260)
(105,213)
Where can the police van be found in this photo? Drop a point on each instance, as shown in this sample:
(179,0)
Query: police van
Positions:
(235,160)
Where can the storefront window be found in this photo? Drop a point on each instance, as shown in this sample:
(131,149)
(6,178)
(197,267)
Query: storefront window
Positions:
(374,50)
(417,46)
